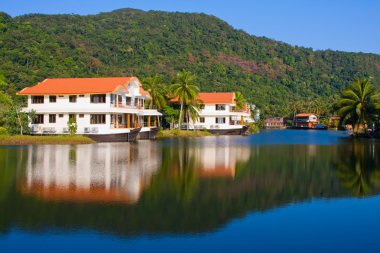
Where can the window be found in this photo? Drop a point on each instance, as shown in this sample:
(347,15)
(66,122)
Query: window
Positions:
(52,99)
(202,106)
(52,118)
(60,115)
(71,116)
(81,115)
(97,99)
(220,120)
(202,120)
(37,99)
(73,98)
(61,96)
(81,96)
(220,107)
(39,119)
(97,119)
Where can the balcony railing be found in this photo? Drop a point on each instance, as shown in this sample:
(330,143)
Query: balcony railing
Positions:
(150,107)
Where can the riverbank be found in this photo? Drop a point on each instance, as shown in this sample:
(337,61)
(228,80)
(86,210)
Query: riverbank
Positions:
(30,140)
(182,133)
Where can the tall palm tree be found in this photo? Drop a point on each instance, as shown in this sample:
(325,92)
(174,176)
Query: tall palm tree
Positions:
(358,102)
(154,85)
(239,100)
(192,109)
(185,90)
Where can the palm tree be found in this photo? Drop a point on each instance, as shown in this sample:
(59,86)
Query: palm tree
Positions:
(192,109)
(154,85)
(239,100)
(185,90)
(358,102)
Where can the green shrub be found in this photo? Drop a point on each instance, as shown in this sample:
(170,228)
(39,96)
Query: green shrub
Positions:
(3,131)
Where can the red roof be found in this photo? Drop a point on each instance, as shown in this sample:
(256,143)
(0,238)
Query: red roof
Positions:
(305,114)
(59,86)
(214,98)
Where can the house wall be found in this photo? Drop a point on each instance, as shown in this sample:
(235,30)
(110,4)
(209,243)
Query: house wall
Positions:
(210,114)
(83,105)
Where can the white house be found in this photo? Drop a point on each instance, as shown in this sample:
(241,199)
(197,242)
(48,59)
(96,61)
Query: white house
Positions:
(110,106)
(218,113)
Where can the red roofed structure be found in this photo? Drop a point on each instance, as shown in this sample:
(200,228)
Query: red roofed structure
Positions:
(63,86)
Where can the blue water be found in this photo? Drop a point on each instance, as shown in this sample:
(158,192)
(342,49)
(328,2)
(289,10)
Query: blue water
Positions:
(300,204)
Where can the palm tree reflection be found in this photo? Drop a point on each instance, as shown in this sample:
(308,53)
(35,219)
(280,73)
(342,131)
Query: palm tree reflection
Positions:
(358,167)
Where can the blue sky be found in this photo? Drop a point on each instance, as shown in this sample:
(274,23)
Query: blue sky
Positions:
(347,25)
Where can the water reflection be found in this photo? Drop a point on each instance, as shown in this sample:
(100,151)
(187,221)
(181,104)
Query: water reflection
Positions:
(90,173)
(359,167)
(175,185)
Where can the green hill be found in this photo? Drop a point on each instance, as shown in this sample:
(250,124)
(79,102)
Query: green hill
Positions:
(133,42)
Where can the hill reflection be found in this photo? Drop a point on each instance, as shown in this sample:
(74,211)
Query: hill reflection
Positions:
(173,186)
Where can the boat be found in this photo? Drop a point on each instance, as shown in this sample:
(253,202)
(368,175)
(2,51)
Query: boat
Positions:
(115,137)
(149,135)
(231,131)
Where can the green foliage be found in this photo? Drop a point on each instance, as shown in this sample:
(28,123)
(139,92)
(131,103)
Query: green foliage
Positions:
(358,103)
(157,91)
(253,128)
(3,131)
(240,100)
(72,125)
(186,92)
(269,73)
(16,121)
(170,115)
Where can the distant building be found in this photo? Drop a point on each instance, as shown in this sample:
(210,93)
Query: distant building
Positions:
(275,123)
(306,120)
(218,113)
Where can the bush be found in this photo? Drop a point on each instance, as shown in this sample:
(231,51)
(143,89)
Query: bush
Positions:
(3,131)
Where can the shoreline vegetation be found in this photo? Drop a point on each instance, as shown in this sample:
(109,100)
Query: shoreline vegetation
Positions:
(182,133)
(32,140)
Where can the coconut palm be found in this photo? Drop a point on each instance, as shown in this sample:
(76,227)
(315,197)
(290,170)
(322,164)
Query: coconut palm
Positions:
(185,90)
(239,100)
(358,103)
(192,109)
(154,85)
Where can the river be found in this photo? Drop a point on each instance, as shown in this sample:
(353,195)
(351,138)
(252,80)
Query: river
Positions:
(277,191)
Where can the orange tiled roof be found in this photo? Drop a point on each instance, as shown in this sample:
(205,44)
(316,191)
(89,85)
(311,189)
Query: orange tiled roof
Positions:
(59,86)
(214,97)
(305,114)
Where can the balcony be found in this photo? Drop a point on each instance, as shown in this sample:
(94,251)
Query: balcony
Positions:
(126,106)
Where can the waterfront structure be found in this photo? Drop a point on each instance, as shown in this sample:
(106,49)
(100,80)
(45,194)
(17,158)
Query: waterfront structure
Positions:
(275,123)
(219,115)
(306,120)
(105,109)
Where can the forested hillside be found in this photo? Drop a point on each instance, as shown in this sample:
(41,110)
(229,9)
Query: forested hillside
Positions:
(269,73)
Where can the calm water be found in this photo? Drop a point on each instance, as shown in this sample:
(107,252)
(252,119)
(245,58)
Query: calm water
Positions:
(279,191)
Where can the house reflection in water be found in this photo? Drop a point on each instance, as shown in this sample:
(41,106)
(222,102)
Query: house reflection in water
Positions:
(91,173)
(216,160)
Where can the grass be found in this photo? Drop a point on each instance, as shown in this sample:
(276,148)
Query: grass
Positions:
(182,133)
(30,140)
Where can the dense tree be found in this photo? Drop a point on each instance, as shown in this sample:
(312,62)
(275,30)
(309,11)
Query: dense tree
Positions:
(358,102)
(269,73)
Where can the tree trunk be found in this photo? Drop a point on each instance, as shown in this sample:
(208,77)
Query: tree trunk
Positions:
(180,116)
(187,120)
(19,122)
